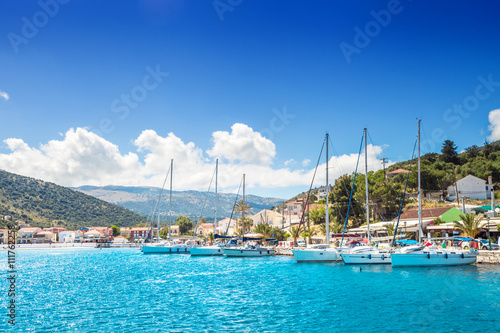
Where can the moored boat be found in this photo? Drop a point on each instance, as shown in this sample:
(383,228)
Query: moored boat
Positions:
(420,256)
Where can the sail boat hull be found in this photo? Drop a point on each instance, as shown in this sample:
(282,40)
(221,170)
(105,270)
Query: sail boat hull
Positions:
(433,258)
(366,258)
(206,251)
(247,252)
(319,255)
(165,249)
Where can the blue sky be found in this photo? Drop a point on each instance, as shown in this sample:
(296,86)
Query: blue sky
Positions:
(277,69)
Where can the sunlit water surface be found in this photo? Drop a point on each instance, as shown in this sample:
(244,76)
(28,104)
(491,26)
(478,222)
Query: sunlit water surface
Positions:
(122,290)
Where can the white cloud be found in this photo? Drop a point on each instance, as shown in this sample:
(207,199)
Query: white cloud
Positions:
(306,162)
(81,157)
(243,145)
(494,127)
(4,95)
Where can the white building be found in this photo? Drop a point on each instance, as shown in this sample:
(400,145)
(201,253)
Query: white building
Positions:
(67,237)
(322,191)
(471,187)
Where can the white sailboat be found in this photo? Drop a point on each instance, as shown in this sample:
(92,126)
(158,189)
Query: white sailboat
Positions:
(366,255)
(322,253)
(212,250)
(429,257)
(169,246)
(248,250)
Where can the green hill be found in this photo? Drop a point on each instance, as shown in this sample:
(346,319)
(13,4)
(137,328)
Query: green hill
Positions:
(44,204)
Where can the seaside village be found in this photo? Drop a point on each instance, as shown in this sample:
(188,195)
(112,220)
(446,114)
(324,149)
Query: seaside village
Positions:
(436,222)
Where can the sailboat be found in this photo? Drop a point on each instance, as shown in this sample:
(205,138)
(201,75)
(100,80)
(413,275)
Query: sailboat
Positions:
(248,250)
(362,255)
(212,250)
(169,246)
(419,255)
(322,253)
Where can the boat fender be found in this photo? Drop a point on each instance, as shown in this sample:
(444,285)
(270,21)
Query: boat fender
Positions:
(369,256)
(462,256)
(260,252)
(267,251)
(446,255)
(241,251)
(428,255)
(383,257)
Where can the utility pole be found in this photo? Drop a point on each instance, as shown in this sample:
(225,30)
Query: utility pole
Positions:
(384,161)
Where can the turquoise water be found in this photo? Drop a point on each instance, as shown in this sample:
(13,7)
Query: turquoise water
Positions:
(122,290)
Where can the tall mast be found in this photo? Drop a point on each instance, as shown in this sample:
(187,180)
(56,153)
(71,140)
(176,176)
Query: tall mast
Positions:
(419,189)
(327,215)
(243,212)
(366,186)
(170,201)
(216,198)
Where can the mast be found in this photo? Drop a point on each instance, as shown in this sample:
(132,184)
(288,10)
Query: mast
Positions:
(419,189)
(366,185)
(327,215)
(170,201)
(216,198)
(243,212)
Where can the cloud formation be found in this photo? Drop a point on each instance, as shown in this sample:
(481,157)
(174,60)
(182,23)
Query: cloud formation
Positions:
(494,127)
(243,144)
(4,95)
(82,157)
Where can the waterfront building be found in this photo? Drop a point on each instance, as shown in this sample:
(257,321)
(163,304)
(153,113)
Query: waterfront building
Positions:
(67,236)
(26,235)
(44,237)
(227,224)
(268,216)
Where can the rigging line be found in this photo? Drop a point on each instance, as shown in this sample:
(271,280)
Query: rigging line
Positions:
(309,192)
(234,206)
(404,194)
(150,230)
(204,202)
(352,190)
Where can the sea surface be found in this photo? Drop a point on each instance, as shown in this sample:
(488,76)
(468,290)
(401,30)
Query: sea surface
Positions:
(122,290)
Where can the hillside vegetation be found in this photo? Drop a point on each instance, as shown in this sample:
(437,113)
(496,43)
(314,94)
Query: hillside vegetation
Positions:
(45,204)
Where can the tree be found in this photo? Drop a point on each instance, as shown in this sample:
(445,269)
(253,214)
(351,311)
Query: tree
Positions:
(295,232)
(116,230)
(247,225)
(438,221)
(279,234)
(164,233)
(242,208)
(185,224)
(210,237)
(472,152)
(470,224)
(265,230)
(317,214)
(306,233)
(390,228)
(449,152)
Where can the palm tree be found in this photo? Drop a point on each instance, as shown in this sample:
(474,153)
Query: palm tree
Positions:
(242,208)
(294,232)
(211,237)
(438,221)
(470,224)
(247,225)
(390,228)
(265,230)
(306,233)
(335,227)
